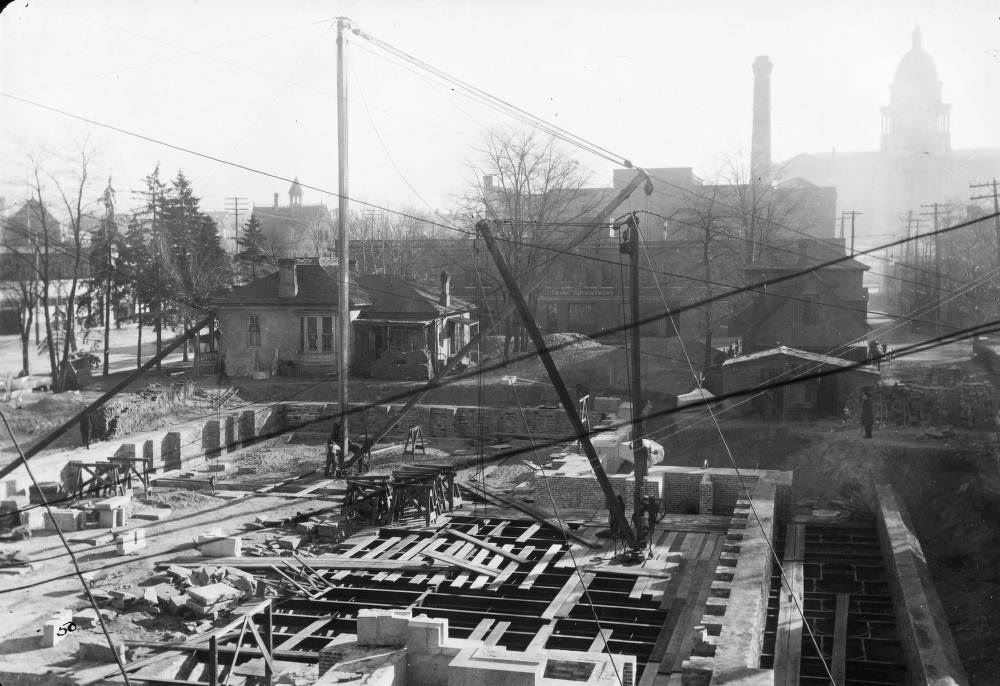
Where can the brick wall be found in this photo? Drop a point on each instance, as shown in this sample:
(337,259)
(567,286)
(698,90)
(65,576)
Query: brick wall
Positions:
(584,492)
(682,491)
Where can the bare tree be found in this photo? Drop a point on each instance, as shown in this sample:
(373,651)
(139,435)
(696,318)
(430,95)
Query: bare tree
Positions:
(533,191)
(710,219)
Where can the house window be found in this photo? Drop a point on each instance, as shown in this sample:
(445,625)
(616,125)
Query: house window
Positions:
(317,334)
(253,331)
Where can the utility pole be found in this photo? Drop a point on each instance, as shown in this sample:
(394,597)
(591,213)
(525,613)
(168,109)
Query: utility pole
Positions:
(841,223)
(236,204)
(852,214)
(937,208)
(996,209)
(343,254)
(109,224)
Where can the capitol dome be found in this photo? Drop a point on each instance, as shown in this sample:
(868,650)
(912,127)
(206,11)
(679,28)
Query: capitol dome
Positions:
(917,66)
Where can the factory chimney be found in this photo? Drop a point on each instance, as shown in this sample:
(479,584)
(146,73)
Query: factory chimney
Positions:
(760,146)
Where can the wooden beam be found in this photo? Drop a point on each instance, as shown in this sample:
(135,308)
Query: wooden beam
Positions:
(292,641)
(838,666)
(463,564)
(788,645)
(342,563)
(483,544)
(538,515)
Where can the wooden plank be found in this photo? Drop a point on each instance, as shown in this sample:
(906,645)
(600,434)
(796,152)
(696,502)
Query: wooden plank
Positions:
(509,569)
(599,642)
(483,544)
(461,564)
(679,615)
(573,597)
(496,634)
(528,533)
(708,560)
(639,586)
(381,548)
(495,563)
(541,638)
(838,665)
(572,583)
(463,578)
(402,545)
(541,566)
(481,629)
(292,641)
(314,487)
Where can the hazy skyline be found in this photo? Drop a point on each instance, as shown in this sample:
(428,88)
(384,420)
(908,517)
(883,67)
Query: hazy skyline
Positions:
(663,85)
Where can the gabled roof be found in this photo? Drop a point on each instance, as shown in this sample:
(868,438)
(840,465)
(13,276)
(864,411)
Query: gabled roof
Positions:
(783,350)
(399,298)
(318,284)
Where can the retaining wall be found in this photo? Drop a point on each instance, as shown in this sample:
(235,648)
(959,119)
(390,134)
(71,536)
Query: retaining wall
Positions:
(931,654)
(442,421)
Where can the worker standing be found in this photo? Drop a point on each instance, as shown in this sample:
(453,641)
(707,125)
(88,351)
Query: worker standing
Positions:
(867,413)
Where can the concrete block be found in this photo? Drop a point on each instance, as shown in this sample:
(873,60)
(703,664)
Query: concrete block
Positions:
(227,546)
(98,650)
(116,502)
(86,618)
(33,518)
(367,627)
(52,634)
(111,519)
(217,467)
(11,487)
(213,594)
(67,520)
(131,541)
(12,503)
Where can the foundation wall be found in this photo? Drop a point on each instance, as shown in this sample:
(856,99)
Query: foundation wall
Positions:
(740,591)
(931,655)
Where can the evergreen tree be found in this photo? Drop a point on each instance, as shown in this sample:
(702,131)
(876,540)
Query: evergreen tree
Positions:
(250,253)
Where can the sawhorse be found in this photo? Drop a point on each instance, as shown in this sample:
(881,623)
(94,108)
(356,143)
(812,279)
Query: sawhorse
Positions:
(414,440)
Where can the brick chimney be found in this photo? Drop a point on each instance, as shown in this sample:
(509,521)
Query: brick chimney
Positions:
(760,142)
(445,299)
(275,201)
(288,281)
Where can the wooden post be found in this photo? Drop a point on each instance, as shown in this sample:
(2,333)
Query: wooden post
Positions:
(213,661)
(269,640)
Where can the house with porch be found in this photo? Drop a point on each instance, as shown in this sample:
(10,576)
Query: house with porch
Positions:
(288,321)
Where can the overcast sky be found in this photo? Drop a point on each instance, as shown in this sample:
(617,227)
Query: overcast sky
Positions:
(662,83)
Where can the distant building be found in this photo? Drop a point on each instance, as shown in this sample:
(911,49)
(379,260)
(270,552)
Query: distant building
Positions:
(827,383)
(821,311)
(295,230)
(915,163)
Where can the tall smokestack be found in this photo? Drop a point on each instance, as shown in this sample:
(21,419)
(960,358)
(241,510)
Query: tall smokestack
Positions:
(760,146)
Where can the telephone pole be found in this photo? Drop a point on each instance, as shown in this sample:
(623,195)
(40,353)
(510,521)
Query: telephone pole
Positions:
(937,208)
(236,205)
(996,209)
(343,254)
(852,214)
(841,223)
